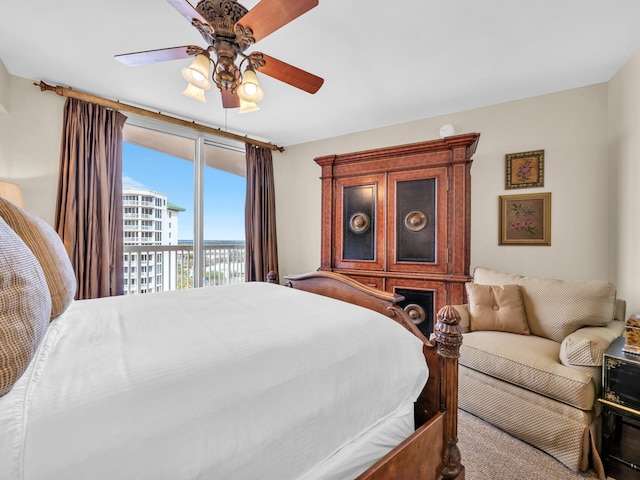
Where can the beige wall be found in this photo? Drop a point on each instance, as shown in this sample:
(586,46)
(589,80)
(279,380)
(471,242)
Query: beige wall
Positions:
(4,89)
(30,135)
(570,126)
(624,161)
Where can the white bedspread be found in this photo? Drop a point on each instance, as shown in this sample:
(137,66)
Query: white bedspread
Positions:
(252,381)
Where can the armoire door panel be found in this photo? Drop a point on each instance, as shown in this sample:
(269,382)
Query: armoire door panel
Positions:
(359,222)
(417,217)
(415,220)
(421,301)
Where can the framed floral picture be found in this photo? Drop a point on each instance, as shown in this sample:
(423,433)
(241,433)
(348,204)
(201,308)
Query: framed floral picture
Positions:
(524,169)
(525,219)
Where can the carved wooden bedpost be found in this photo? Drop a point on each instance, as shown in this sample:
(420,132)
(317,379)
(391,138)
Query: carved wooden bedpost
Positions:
(448,333)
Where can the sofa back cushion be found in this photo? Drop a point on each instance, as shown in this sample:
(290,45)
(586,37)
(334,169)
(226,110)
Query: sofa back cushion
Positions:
(557,308)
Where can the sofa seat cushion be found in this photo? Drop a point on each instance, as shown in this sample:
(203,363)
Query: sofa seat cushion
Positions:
(557,308)
(529,362)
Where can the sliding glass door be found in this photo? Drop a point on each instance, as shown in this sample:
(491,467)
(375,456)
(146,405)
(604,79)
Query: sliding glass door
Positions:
(183,200)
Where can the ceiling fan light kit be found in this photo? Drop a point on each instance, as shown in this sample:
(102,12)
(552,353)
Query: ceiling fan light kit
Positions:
(230,29)
(250,90)
(197,74)
(247,107)
(194,92)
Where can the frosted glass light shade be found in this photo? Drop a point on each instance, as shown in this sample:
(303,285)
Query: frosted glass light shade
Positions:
(250,90)
(197,74)
(247,107)
(11,191)
(194,92)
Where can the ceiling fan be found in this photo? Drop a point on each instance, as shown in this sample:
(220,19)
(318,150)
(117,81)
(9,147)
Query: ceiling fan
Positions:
(230,29)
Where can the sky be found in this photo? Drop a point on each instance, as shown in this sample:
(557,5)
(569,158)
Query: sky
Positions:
(224,193)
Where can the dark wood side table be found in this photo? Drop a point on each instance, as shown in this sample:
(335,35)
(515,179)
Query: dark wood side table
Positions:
(620,401)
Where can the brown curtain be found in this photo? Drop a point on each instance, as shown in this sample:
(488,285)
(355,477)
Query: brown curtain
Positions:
(260,215)
(89,206)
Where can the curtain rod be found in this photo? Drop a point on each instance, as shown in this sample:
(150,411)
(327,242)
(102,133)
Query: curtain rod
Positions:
(70,93)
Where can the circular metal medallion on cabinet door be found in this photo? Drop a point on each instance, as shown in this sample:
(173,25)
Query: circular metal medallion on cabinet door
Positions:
(416,313)
(359,222)
(415,221)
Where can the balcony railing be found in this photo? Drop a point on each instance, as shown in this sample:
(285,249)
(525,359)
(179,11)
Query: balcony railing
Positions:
(223,264)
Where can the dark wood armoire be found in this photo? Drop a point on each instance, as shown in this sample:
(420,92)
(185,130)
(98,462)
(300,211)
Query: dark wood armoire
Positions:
(398,218)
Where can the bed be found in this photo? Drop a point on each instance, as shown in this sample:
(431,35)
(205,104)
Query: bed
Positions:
(238,382)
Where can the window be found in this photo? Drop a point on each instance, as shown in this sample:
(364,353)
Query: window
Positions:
(198,186)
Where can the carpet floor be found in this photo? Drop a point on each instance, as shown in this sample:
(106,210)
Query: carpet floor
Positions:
(488,453)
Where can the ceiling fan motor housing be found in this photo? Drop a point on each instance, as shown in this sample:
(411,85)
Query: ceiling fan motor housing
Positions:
(222,15)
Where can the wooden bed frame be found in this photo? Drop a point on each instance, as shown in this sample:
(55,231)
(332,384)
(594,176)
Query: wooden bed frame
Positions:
(431,452)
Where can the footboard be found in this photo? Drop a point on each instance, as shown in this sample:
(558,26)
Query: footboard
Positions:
(431,452)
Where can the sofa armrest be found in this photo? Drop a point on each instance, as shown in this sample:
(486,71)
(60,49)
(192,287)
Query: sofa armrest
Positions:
(465,320)
(585,346)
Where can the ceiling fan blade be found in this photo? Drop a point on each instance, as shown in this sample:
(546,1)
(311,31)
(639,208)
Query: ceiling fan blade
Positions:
(187,11)
(269,15)
(160,55)
(229,99)
(289,74)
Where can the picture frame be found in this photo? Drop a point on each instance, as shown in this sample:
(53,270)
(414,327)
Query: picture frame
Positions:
(524,169)
(525,219)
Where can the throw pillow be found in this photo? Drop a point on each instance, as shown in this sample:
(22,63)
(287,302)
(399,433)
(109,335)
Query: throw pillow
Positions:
(46,245)
(586,345)
(496,307)
(25,306)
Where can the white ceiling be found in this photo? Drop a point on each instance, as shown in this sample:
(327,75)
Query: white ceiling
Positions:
(383,62)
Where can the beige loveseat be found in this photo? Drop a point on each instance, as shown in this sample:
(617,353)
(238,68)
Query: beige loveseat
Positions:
(531,359)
